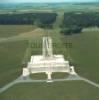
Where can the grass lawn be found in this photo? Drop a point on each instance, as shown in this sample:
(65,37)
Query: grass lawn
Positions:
(85,54)
(75,90)
(12,30)
(59,75)
(11,56)
(12,53)
(38,76)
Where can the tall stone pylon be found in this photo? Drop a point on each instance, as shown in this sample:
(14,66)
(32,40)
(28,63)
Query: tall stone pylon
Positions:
(47,48)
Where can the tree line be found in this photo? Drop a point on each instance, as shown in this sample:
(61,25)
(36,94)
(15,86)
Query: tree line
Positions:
(40,19)
(82,19)
(74,22)
(71,30)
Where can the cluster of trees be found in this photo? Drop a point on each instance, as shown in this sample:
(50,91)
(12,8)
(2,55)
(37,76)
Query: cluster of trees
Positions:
(71,30)
(82,19)
(74,22)
(45,20)
(41,19)
(16,19)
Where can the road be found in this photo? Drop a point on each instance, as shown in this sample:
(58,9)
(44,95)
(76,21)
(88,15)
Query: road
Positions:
(29,80)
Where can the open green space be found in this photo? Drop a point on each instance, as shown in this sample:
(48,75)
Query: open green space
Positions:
(84,53)
(11,56)
(59,75)
(77,90)
(12,30)
(38,76)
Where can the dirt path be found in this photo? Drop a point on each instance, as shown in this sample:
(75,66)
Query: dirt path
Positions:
(24,36)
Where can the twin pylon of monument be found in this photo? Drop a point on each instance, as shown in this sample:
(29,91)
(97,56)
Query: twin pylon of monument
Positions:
(47,48)
(48,62)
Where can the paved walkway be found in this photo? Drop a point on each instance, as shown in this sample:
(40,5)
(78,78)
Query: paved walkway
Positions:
(29,80)
(90,82)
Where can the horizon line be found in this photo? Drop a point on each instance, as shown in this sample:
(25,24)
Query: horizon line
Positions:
(51,2)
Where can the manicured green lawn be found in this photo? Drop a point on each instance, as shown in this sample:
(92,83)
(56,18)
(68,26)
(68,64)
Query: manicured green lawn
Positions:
(73,90)
(38,76)
(59,75)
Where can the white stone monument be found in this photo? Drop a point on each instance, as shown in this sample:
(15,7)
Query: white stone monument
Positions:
(47,63)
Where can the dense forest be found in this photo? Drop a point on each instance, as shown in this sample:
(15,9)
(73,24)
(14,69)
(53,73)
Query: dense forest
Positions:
(41,19)
(81,19)
(74,22)
(71,30)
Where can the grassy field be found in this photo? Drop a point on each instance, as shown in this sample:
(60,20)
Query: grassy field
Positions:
(12,30)
(57,75)
(85,54)
(77,90)
(11,56)
(38,76)
(14,54)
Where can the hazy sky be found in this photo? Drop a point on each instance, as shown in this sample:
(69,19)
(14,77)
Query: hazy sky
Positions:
(6,1)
